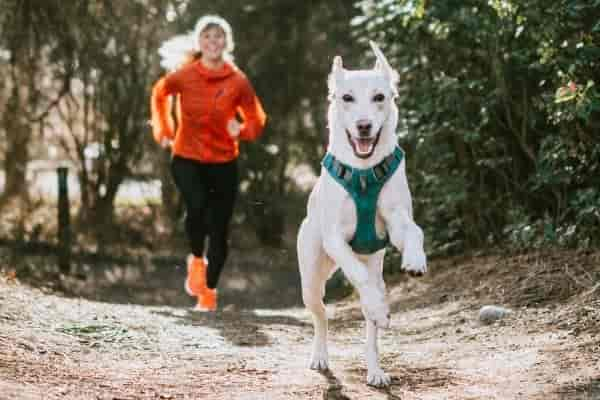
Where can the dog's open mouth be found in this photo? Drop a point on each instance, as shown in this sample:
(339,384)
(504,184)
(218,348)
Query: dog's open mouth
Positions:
(363,147)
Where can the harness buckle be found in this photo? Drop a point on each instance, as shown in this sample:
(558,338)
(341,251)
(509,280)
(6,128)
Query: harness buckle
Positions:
(347,175)
(379,171)
(382,169)
(341,171)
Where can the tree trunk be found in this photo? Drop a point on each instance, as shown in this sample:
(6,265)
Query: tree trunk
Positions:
(17,155)
(470,207)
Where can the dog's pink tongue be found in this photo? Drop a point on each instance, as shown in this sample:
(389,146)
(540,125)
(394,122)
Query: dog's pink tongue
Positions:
(364,145)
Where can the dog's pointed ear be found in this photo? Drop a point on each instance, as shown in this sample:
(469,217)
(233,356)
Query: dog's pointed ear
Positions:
(338,64)
(382,62)
(383,65)
(337,73)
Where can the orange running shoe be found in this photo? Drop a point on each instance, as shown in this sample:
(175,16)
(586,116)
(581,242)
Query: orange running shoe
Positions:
(207,300)
(195,282)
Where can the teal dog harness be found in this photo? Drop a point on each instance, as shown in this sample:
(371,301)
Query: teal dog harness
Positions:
(364,186)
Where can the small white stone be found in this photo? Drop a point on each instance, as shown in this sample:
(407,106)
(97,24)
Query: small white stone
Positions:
(490,314)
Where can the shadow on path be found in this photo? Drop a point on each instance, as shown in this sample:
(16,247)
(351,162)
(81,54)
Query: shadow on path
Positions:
(334,387)
(244,327)
(261,279)
(589,390)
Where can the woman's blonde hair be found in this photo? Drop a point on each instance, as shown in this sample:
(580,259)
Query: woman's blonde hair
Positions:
(181,49)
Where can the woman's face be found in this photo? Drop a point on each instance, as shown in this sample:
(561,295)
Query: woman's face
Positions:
(212,43)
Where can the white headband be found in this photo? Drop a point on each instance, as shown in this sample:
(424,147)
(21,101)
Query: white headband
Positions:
(206,20)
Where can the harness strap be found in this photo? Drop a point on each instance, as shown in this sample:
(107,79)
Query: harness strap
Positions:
(364,186)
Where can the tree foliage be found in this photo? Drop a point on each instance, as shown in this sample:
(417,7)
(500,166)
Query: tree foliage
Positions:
(104,120)
(501,114)
(35,51)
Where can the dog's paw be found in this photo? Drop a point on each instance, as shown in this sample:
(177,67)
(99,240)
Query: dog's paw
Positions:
(414,262)
(378,378)
(415,270)
(319,362)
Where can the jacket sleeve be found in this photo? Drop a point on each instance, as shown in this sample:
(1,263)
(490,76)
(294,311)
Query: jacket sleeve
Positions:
(162,120)
(252,113)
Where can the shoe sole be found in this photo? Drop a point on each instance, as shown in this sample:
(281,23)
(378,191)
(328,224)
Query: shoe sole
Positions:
(202,309)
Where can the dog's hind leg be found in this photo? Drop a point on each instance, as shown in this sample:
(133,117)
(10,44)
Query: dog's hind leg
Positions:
(315,269)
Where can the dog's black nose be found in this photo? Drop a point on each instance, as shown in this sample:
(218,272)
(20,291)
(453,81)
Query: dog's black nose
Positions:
(364,127)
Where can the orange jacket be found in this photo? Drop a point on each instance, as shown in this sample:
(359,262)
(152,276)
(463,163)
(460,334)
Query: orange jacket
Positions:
(207,100)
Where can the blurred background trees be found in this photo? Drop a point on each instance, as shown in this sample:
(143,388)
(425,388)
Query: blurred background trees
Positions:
(501,116)
(499,113)
(35,54)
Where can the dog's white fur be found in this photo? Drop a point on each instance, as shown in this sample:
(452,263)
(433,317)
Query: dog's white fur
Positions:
(331,218)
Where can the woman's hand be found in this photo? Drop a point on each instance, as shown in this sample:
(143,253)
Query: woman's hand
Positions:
(233,128)
(165,143)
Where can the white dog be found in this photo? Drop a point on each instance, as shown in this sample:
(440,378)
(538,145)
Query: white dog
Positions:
(359,203)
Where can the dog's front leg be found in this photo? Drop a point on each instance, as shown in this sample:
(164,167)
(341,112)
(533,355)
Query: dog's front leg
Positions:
(374,306)
(407,237)
(342,255)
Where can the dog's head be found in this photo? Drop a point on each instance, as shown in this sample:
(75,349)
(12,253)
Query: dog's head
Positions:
(363,113)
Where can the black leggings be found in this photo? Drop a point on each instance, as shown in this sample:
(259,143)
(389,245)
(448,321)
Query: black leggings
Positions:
(209,192)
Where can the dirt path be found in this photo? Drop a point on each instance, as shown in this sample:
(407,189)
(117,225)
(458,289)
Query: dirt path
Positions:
(53,347)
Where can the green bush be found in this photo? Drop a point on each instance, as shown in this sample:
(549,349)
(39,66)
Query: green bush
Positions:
(500,115)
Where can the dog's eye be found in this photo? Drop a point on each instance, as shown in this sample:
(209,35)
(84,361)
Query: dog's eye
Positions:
(378,98)
(347,98)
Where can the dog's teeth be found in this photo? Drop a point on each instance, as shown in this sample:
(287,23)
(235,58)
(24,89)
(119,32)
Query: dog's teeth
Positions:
(364,145)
